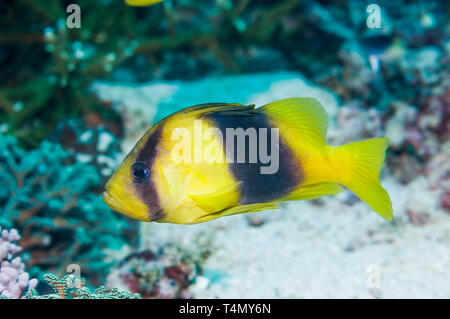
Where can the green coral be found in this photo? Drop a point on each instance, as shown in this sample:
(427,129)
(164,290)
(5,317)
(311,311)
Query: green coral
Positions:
(55,203)
(71,287)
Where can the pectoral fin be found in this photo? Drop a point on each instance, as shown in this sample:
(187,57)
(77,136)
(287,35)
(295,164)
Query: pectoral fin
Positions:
(217,200)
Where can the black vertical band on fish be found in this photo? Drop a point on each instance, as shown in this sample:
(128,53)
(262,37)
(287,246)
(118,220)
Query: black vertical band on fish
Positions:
(257,187)
(146,190)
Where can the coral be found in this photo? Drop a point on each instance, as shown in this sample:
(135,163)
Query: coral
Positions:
(168,272)
(71,287)
(14,281)
(400,124)
(403,74)
(92,144)
(55,203)
(356,123)
(438,172)
(418,219)
(417,132)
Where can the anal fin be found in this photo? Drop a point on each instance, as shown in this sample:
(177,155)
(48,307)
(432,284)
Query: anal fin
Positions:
(314,191)
(249,208)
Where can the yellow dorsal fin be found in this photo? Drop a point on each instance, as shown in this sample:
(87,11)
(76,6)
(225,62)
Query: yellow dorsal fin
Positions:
(207,108)
(303,118)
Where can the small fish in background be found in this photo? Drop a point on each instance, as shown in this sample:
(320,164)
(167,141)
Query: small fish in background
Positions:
(375,46)
(151,186)
(379,46)
(142,3)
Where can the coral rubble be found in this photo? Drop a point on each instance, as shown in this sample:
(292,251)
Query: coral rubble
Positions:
(167,272)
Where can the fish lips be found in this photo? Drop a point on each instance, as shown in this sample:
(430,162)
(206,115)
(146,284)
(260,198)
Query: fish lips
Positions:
(126,206)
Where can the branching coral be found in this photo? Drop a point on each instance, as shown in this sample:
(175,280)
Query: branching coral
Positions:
(54,202)
(93,144)
(71,287)
(14,281)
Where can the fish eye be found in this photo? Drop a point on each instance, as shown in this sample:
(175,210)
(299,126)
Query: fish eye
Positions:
(139,172)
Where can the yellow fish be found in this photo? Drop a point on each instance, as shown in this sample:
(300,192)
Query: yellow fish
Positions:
(142,3)
(220,159)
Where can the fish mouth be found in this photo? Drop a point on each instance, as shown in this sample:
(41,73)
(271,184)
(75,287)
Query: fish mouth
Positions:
(126,206)
(112,201)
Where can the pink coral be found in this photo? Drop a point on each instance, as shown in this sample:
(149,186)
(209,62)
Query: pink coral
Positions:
(14,281)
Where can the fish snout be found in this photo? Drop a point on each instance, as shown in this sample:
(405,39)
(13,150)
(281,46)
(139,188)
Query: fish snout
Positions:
(127,205)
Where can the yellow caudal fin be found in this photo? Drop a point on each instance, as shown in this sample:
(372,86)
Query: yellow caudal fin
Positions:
(357,166)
